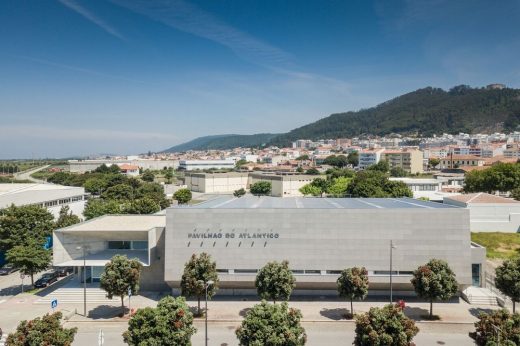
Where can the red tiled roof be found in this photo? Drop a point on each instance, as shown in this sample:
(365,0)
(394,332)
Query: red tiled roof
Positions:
(482,197)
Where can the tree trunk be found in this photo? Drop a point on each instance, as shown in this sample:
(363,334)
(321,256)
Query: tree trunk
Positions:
(514,306)
(431,308)
(198,304)
(123,304)
(351,308)
(32,280)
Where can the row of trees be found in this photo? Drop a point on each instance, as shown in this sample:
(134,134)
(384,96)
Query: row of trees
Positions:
(503,177)
(24,232)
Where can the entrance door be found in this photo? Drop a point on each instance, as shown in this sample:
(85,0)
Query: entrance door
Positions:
(475,274)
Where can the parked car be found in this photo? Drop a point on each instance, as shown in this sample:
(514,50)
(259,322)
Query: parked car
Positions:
(64,271)
(47,279)
(8,269)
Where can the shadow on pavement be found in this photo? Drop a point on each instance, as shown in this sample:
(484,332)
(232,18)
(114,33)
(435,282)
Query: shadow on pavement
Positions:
(334,314)
(416,313)
(244,312)
(106,311)
(49,289)
(477,311)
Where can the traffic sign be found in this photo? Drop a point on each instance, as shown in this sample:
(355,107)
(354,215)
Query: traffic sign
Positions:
(129,292)
(54,303)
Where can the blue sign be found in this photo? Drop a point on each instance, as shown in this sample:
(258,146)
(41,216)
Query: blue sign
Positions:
(54,303)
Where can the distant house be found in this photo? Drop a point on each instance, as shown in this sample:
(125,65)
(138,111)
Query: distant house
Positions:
(130,170)
(489,213)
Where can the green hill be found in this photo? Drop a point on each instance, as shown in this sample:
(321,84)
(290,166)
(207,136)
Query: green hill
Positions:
(424,112)
(223,142)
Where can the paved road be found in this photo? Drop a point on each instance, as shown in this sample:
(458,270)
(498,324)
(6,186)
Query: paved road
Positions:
(319,333)
(11,285)
(27,174)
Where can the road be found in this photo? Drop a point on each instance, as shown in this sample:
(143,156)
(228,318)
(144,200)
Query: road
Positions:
(26,175)
(319,333)
(11,285)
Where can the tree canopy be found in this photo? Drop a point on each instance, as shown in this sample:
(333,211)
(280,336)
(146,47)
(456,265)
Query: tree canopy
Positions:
(46,330)
(260,188)
(275,281)
(182,196)
(198,271)
(168,324)
(373,183)
(498,328)
(384,326)
(353,284)
(435,281)
(120,276)
(507,279)
(499,177)
(31,257)
(66,218)
(273,325)
(239,193)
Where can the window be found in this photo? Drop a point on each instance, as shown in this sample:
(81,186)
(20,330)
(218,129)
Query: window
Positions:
(139,245)
(246,271)
(333,272)
(119,245)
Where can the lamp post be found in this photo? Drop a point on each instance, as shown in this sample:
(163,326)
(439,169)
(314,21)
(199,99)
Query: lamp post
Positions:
(84,279)
(206,285)
(392,247)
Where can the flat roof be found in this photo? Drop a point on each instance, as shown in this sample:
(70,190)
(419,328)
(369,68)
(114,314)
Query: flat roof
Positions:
(7,188)
(482,197)
(125,223)
(265,202)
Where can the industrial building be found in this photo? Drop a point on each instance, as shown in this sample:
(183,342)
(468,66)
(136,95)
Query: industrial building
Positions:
(193,165)
(53,197)
(318,236)
(82,166)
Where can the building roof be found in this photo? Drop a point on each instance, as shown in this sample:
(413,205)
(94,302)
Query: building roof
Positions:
(481,197)
(126,223)
(24,194)
(128,167)
(265,202)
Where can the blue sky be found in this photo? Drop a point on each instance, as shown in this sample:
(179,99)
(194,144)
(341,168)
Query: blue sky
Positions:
(128,76)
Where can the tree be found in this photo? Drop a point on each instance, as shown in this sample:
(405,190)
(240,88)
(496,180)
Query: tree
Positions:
(375,184)
(338,186)
(398,172)
(239,193)
(384,326)
(303,157)
(273,325)
(353,158)
(240,163)
(275,281)
(170,323)
(515,193)
(433,162)
(312,171)
(336,161)
(260,188)
(120,192)
(21,225)
(353,284)
(148,176)
(197,271)
(499,177)
(309,189)
(182,196)
(98,207)
(66,218)
(435,281)
(381,166)
(154,191)
(507,279)
(95,186)
(169,175)
(46,330)
(144,205)
(499,323)
(120,276)
(30,257)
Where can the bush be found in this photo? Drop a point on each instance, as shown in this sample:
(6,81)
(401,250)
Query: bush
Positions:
(486,332)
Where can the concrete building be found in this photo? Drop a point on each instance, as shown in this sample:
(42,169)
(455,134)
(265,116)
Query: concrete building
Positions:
(432,189)
(193,165)
(318,236)
(216,182)
(136,236)
(283,185)
(53,197)
(458,161)
(489,213)
(82,166)
(369,157)
(130,170)
(408,159)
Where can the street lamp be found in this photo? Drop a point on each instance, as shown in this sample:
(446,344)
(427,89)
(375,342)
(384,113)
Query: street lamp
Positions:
(392,247)
(83,247)
(206,285)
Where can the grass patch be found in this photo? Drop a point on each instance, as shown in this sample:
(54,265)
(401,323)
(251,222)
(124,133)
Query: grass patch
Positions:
(498,245)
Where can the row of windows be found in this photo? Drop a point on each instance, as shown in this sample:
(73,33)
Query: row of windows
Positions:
(127,245)
(60,201)
(314,272)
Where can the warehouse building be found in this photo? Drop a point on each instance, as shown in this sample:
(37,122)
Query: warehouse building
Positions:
(318,236)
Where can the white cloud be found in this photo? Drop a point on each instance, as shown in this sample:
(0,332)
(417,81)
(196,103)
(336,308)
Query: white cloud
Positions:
(73,5)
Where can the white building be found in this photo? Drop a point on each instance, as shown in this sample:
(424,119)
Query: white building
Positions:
(192,165)
(82,166)
(489,213)
(50,196)
(426,188)
(369,157)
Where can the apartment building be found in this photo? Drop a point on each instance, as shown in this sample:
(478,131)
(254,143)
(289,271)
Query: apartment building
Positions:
(369,157)
(409,160)
(457,161)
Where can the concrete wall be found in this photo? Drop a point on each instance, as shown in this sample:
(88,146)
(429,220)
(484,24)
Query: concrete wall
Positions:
(318,239)
(216,183)
(284,185)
